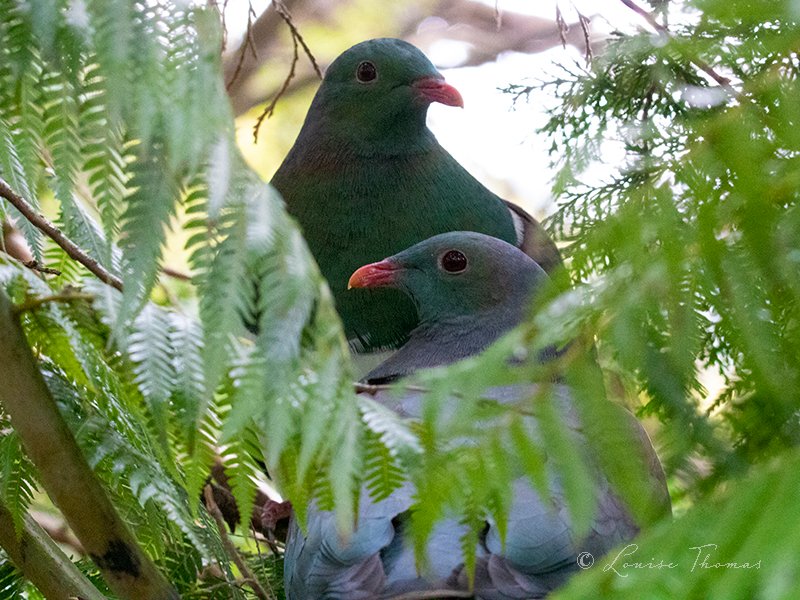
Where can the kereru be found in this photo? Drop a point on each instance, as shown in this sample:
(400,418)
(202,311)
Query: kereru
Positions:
(366,178)
(469,289)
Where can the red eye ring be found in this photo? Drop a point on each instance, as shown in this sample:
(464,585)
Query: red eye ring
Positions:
(453,261)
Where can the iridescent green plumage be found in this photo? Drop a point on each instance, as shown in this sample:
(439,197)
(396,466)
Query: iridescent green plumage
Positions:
(366,178)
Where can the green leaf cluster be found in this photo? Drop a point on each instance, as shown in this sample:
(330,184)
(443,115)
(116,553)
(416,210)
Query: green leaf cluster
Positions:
(685,263)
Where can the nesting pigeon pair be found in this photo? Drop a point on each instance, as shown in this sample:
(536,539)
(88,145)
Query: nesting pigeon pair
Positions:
(367,179)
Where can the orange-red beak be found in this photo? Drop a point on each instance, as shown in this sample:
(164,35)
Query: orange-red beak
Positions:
(434,89)
(376,274)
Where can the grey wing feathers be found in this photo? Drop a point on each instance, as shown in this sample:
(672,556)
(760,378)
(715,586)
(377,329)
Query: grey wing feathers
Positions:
(324,564)
(538,554)
(533,240)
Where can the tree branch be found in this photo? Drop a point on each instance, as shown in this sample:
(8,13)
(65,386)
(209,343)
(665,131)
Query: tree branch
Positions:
(65,474)
(68,295)
(233,553)
(248,43)
(50,230)
(724,82)
(297,40)
(42,562)
(260,39)
(372,389)
(432,595)
(13,243)
(467,21)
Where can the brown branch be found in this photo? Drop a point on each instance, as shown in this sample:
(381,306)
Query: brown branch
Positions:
(585,22)
(269,110)
(264,37)
(65,473)
(176,274)
(13,243)
(432,595)
(724,82)
(41,561)
(471,22)
(287,18)
(230,548)
(297,40)
(561,25)
(248,43)
(68,295)
(58,530)
(35,266)
(70,247)
(372,389)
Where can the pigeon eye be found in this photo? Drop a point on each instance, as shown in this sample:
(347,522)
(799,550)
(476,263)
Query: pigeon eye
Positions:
(366,72)
(454,261)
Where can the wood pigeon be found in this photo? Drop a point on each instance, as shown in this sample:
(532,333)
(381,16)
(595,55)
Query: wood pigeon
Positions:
(366,178)
(469,289)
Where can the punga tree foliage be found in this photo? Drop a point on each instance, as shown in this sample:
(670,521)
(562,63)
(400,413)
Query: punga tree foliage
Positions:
(684,261)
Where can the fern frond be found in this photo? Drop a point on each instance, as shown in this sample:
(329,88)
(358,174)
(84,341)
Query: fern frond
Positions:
(382,473)
(17,477)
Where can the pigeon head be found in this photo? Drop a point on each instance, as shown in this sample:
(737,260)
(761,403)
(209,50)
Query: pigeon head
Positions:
(379,91)
(458,274)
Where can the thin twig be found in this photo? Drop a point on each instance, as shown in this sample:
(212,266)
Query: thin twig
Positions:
(284,13)
(233,553)
(213,4)
(561,25)
(36,266)
(297,41)
(724,82)
(65,296)
(249,42)
(648,103)
(432,595)
(372,389)
(224,15)
(176,274)
(270,108)
(70,247)
(584,23)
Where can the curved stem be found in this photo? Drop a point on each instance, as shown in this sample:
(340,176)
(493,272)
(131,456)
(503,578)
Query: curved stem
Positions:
(50,230)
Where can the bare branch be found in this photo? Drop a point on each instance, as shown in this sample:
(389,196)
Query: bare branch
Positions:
(585,22)
(70,247)
(372,389)
(65,474)
(561,25)
(248,44)
(41,561)
(58,530)
(471,22)
(68,295)
(287,18)
(724,82)
(176,274)
(13,243)
(233,553)
(432,595)
(297,39)
(264,38)
(269,110)
(36,266)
